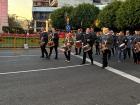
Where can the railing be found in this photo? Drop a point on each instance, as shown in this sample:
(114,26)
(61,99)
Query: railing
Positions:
(18,40)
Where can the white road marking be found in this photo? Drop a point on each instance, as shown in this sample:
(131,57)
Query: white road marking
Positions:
(18,56)
(138,104)
(38,70)
(123,74)
(15,56)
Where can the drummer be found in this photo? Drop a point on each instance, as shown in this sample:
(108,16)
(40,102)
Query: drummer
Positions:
(68,44)
(78,43)
(88,41)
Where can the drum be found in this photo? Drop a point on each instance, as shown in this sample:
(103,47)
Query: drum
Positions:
(122,46)
(50,44)
(42,43)
(104,48)
(66,48)
(78,44)
(68,44)
(86,48)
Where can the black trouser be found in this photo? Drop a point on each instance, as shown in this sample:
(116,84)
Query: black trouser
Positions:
(128,51)
(109,53)
(78,51)
(89,54)
(136,57)
(97,49)
(67,54)
(112,51)
(56,51)
(43,50)
(105,57)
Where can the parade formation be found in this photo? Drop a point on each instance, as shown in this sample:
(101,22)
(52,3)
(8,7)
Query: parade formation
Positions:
(106,43)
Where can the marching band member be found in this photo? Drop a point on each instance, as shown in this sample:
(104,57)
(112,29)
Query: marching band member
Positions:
(106,45)
(55,43)
(87,46)
(78,43)
(67,46)
(43,42)
(105,52)
(122,44)
(97,43)
(136,47)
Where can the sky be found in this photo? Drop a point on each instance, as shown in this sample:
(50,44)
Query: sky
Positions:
(21,8)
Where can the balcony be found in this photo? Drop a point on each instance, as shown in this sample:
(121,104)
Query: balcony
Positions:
(43,9)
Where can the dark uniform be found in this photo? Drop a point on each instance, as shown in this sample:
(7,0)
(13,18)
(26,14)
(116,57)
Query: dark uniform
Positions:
(97,45)
(106,52)
(55,39)
(88,39)
(44,40)
(136,52)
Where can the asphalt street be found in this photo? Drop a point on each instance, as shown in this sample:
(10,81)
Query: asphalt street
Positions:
(27,79)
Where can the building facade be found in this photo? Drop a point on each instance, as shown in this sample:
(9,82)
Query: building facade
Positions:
(40,12)
(42,8)
(3,14)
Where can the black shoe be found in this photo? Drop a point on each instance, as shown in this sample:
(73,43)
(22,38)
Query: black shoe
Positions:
(47,57)
(103,67)
(55,58)
(41,56)
(82,63)
(92,63)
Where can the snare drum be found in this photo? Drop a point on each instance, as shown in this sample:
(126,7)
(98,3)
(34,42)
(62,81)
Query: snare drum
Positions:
(86,48)
(50,44)
(78,44)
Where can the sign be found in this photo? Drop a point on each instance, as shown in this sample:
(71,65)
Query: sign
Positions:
(68,28)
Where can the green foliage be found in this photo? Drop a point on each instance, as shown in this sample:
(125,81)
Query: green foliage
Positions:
(58,17)
(84,15)
(14,26)
(13,22)
(107,16)
(128,15)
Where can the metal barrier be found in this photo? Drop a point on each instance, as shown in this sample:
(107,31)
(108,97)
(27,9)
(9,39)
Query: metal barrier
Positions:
(18,40)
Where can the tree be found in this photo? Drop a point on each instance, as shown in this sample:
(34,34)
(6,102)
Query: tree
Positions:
(107,16)
(84,15)
(58,17)
(128,15)
(14,25)
(13,22)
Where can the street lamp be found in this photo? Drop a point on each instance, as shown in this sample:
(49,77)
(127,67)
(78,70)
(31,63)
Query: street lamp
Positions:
(27,31)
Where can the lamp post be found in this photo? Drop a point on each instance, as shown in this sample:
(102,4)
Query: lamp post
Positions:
(27,30)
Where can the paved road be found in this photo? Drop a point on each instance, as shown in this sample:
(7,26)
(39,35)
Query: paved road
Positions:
(26,79)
